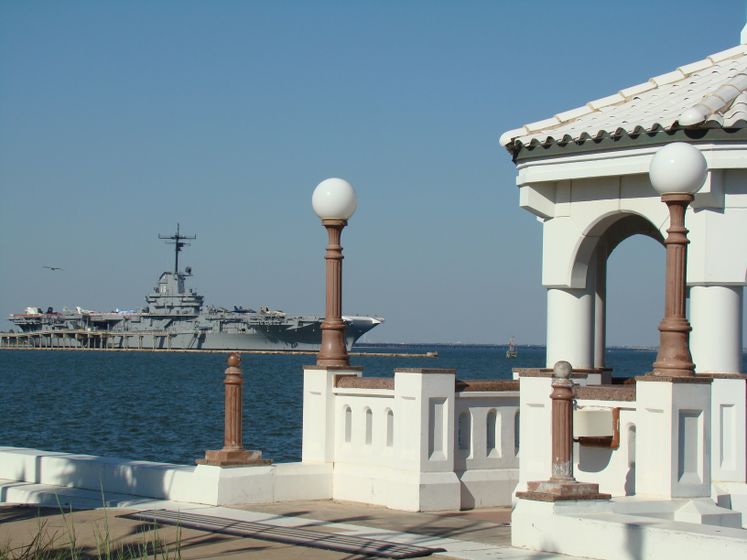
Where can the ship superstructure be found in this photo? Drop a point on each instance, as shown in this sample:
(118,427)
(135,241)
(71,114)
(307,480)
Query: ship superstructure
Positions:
(176,318)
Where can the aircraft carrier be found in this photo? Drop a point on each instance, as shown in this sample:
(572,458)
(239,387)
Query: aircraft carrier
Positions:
(175,318)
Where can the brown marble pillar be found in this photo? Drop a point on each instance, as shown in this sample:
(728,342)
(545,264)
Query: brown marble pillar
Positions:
(233,452)
(562,423)
(674,358)
(562,485)
(333,351)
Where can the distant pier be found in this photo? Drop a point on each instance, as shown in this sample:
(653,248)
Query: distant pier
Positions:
(112,341)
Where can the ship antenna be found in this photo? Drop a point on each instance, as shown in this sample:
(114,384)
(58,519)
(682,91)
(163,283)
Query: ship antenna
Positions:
(177,241)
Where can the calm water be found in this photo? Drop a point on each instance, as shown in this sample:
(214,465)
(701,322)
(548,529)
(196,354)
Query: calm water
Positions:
(169,407)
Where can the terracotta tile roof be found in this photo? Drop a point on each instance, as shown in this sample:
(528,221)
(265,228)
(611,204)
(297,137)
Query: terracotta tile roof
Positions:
(708,93)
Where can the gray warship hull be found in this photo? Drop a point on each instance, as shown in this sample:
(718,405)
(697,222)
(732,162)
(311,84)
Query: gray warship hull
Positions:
(176,319)
(305,338)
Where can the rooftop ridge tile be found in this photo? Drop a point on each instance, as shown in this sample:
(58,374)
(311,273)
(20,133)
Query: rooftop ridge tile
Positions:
(606,101)
(637,89)
(668,78)
(571,114)
(728,53)
(696,66)
(540,125)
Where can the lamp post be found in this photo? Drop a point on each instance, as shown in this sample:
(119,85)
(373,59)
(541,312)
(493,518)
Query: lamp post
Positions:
(677,172)
(334,201)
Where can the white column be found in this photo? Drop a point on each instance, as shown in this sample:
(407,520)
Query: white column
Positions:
(716,319)
(570,327)
(600,308)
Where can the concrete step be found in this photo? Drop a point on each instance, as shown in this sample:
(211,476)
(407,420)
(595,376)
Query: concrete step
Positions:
(735,499)
(66,498)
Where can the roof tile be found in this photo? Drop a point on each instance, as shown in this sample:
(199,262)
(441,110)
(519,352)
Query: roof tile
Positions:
(740,82)
(654,105)
(635,90)
(573,113)
(668,78)
(606,101)
(539,125)
(728,53)
(508,136)
(695,66)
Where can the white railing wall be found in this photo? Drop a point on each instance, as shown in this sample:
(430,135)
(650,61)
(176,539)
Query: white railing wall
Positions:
(394,441)
(487,446)
(424,441)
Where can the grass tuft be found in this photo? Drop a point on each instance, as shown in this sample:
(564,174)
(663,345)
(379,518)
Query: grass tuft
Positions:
(53,544)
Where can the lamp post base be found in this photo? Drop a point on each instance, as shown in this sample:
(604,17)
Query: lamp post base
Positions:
(555,491)
(233,458)
(332,350)
(674,358)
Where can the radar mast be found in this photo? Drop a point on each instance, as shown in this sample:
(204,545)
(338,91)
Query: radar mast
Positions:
(177,240)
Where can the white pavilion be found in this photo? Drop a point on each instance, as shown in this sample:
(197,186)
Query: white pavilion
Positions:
(584,174)
(677,448)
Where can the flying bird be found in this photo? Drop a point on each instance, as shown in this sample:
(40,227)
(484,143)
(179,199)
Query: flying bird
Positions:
(53,267)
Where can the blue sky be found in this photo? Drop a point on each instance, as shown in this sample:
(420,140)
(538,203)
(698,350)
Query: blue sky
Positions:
(120,119)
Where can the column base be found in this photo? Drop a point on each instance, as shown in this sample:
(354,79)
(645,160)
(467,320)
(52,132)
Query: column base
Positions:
(233,458)
(554,491)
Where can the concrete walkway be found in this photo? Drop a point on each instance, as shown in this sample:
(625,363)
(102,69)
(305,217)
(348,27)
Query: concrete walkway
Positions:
(479,535)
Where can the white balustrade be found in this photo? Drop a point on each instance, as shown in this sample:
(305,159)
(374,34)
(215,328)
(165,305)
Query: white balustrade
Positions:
(398,441)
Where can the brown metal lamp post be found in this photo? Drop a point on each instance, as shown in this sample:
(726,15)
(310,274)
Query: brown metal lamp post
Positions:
(334,201)
(677,172)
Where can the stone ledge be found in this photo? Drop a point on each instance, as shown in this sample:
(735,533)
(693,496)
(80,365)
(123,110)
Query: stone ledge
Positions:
(719,375)
(674,379)
(548,372)
(355,382)
(469,385)
(606,392)
(426,370)
(334,368)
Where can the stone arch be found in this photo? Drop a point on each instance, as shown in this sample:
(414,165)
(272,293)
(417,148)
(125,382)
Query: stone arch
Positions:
(583,303)
(603,236)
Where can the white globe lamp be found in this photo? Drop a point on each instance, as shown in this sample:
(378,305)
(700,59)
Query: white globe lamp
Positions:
(678,168)
(334,199)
